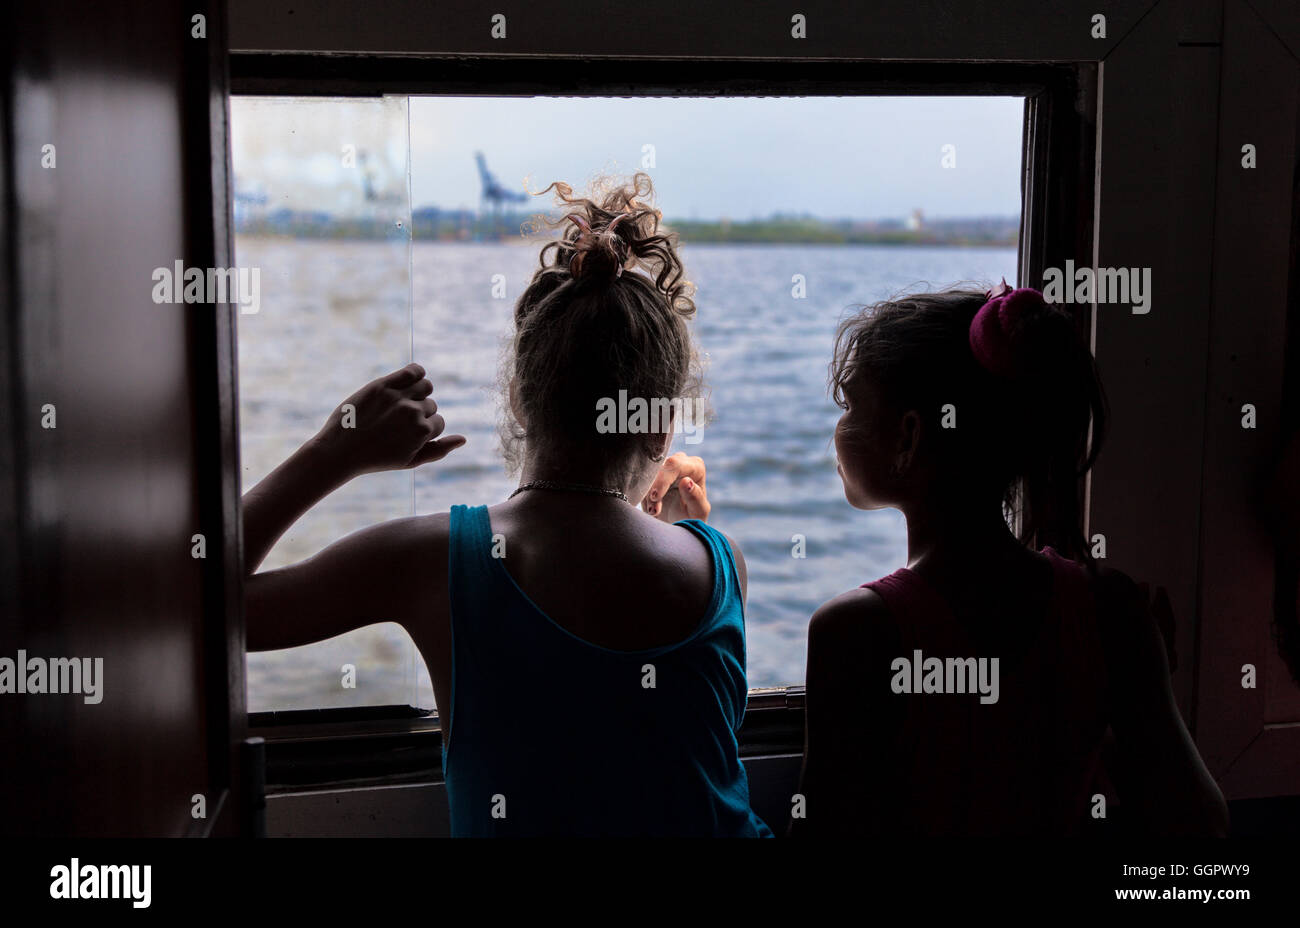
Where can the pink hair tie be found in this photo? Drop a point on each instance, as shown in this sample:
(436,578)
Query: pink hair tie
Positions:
(995,330)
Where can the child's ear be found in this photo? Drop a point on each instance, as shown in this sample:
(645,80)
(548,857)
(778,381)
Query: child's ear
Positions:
(909,440)
(666,443)
(515,408)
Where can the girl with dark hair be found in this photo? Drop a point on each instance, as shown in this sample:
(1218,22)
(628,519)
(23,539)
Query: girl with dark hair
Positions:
(587,656)
(966,409)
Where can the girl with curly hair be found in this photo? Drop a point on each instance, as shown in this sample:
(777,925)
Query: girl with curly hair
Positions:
(585,637)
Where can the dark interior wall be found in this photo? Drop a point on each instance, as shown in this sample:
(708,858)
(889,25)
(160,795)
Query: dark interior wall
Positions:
(99,511)
(921,30)
(1178,489)
(1246,364)
(1155,209)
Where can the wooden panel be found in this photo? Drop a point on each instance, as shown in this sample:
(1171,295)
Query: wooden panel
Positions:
(215,381)
(1260,98)
(1155,210)
(1282,18)
(1269,766)
(108,500)
(1013,30)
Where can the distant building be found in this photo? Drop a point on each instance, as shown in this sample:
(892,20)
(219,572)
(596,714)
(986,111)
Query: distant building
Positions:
(916,220)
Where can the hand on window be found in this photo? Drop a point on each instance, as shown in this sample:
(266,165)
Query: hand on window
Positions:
(391,423)
(678,491)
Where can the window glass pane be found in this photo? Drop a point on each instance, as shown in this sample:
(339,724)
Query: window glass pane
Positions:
(792,211)
(322,207)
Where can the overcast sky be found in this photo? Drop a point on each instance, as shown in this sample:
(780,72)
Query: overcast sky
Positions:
(859,157)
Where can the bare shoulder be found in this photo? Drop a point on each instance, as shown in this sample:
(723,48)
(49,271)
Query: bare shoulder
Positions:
(852,606)
(855,617)
(425,551)
(699,560)
(435,528)
(850,638)
(1114,588)
(742,571)
(407,540)
(409,556)
(1121,603)
(1136,646)
(430,541)
(700,563)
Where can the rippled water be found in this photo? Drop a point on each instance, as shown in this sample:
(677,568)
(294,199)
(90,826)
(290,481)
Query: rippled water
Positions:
(337,314)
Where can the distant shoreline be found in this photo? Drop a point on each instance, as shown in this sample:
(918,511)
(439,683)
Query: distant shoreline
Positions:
(462,227)
(763,232)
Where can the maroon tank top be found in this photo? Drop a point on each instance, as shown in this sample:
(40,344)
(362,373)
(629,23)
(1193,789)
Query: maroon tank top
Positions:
(1029,763)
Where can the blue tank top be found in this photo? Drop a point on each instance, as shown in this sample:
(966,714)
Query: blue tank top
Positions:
(621,756)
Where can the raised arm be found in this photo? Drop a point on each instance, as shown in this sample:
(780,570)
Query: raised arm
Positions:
(282,497)
(378,574)
(372,575)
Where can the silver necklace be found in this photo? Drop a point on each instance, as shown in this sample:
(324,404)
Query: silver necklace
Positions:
(578,487)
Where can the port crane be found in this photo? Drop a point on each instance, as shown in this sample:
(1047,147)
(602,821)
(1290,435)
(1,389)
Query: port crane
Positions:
(494,196)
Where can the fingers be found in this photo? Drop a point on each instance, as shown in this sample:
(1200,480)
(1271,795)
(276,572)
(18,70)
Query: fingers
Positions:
(405,377)
(656,507)
(419,390)
(437,450)
(694,499)
(674,469)
(666,477)
(435,424)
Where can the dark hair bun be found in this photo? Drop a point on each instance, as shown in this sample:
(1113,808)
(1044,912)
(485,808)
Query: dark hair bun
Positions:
(610,232)
(597,254)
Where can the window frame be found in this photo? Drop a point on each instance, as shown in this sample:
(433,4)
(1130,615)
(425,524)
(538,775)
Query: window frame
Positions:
(311,748)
